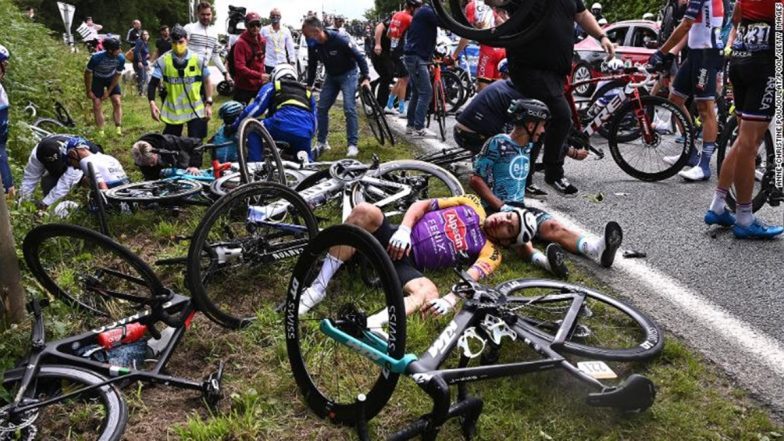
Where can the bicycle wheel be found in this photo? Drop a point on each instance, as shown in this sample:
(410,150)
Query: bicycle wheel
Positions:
(99,414)
(89,270)
(425,180)
(329,374)
(162,190)
(605,328)
(763,165)
(628,127)
(242,246)
(372,113)
(63,115)
(225,184)
(267,169)
(50,125)
(454,92)
(446,157)
(97,200)
(440,109)
(641,156)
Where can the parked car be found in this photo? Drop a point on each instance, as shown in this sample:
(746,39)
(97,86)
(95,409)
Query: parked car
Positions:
(635,40)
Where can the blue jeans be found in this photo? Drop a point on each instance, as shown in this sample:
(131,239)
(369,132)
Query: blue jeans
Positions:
(297,144)
(141,79)
(421,91)
(333,84)
(5,169)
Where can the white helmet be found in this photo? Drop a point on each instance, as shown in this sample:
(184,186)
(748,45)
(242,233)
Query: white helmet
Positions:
(648,16)
(602,22)
(282,71)
(528,225)
(4,54)
(613,65)
(596,5)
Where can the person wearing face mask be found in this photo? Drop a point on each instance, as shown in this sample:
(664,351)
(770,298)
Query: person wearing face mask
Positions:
(185,77)
(203,38)
(280,44)
(249,54)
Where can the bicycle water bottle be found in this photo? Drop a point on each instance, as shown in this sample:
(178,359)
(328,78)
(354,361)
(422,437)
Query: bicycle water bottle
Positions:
(121,335)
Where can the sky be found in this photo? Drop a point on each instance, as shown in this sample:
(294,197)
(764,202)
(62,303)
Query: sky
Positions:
(293,10)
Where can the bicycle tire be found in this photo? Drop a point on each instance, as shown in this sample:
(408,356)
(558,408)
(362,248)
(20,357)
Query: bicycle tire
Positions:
(52,379)
(98,201)
(668,22)
(449,184)
(304,340)
(454,92)
(225,184)
(372,114)
(109,269)
(440,109)
(162,190)
(682,124)
(233,262)
(761,190)
(270,169)
(645,341)
(50,125)
(63,115)
(447,156)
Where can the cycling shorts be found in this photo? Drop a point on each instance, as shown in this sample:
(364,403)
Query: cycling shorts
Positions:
(697,75)
(471,141)
(753,88)
(487,67)
(405,268)
(400,68)
(99,85)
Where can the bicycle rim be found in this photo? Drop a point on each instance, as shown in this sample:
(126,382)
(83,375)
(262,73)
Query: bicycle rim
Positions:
(242,246)
(162,190)
(372,114)
(267,165)
(641,158)
(329,374)
(89,270)
(99,414)
(605,328)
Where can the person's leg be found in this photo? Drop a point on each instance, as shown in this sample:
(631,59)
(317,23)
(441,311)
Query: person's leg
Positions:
(555,137)
(140,73)
(98,90)
(197,128)
(348,86)
(419,292)
(327,97)
(117,110)
(424,90)
(411,67)
(744,154)
(173,129)
(402,84)
(48,182)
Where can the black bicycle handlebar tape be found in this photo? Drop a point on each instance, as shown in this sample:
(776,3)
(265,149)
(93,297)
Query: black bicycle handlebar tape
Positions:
(152,87)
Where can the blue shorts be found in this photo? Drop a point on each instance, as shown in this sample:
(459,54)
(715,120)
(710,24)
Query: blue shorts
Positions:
(101,84)
(697,74)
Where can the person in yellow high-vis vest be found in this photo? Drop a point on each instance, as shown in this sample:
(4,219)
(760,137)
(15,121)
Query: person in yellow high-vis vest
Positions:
(186,79)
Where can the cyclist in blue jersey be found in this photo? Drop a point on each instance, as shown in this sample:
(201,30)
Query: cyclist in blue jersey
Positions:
(291,114)
(102,81)
(500,171)
(228,112)
(5,169)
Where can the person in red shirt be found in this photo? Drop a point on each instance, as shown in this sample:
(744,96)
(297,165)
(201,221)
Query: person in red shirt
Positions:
(249,51)
(482,16)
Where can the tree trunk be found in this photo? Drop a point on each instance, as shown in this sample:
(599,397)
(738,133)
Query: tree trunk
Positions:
(11,292)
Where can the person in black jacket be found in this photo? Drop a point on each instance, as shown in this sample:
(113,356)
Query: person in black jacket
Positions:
(152,153)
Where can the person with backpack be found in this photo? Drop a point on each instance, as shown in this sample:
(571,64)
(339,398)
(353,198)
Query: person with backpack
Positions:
(246,60)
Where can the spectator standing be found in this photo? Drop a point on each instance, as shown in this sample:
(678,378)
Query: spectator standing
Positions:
(388,53)
(141,57)
(418,51)
(134,32)
(5,169)
(186,79)
(249,52)
(280,44)
(102,81)
(163,44)
(203,39)
(340,57)
(596,10)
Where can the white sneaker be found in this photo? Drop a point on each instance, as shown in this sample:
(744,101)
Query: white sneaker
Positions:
(352,151)
(402,115)
(310,298)
(323,146)
(421,133)
(695,173)
(391,111)
(671,159)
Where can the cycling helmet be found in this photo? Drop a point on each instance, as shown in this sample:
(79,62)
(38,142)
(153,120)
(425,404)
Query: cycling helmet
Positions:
(613,65)
(76,142)
(503,67)
(528,225)
(178,32)
(648,16)
(596,6)
(111,44)
(229,111)
(602,22)
(4,54)
(525,110)
(226,88)
(442,49)
(283,71)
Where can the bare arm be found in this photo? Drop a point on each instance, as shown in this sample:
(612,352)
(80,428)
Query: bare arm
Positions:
(484,192)
(677,35)
(415,212)
(588,22)
(379,32)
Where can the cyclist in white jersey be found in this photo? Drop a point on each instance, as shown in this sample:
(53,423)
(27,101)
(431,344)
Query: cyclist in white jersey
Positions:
(108,170)
(203,39)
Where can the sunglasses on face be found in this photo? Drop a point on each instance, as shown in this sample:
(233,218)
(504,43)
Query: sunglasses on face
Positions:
(274,16)
(255,24)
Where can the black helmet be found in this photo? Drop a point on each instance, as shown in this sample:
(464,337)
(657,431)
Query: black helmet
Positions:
(414,3)
(178,32)
(524,110)
(111,44)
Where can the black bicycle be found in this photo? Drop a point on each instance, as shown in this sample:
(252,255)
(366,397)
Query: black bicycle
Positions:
(375,116)
(72,386)
(347,370)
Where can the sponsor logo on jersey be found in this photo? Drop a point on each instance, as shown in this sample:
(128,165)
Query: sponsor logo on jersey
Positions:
(455,229)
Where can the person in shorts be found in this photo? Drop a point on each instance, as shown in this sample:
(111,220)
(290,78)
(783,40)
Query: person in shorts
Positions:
(102,81)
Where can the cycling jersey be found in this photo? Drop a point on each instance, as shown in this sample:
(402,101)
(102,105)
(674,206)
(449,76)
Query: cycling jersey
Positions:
(504,165)
(3,115)
(708,17)
(289,117)
(755,32)
(396,31)
(453,226)
(108,169)
(482,16)
(104,66)
(228,153)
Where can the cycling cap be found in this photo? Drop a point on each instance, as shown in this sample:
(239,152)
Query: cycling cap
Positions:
(525,110)
(178,32)
(229,111)
(111,44)
(528,224)
(503,67)
(252,17)
(283,71)
(4,54)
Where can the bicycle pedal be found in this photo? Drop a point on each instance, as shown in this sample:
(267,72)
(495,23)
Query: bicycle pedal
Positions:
(497,329)
(212,386)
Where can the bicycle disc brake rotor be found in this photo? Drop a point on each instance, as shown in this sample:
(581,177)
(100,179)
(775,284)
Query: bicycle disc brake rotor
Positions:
(25,421)
(347,170)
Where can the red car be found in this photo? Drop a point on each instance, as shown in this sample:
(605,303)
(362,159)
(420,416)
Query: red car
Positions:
(635,41)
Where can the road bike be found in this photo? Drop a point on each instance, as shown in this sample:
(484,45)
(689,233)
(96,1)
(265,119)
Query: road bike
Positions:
(251,236)
(375,116)
(437,109)
(347,372)
(42,127)
(71,387)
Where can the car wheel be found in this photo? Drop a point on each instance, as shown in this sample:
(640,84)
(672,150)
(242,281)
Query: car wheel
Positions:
(581,73)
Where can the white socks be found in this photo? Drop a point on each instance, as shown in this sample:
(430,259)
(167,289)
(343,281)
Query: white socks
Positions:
(591,248)
(539,259)
(718,205)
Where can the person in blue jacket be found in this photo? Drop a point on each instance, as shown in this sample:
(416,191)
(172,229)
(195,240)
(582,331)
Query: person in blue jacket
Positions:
(291,114)
(340,57)
(5,169)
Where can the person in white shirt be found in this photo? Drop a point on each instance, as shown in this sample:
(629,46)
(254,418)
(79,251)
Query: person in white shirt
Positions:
(203,39)
(280,44)
(109,172)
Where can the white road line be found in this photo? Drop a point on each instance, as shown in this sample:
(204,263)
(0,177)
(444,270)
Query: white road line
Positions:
(740,334)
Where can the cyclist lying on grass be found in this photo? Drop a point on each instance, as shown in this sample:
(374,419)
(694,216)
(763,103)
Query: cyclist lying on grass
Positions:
(438,231)
(151,162)
(499,178)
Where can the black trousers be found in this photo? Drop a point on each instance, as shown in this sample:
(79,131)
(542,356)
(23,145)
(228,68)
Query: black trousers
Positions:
(385,67)
(547,87)
(197,128)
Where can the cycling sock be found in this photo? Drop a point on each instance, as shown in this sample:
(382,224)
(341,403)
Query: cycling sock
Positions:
(705,155)
(743,215)
(718,205)
(539,259)
(591,248)
(331,266)
(378,319)
(391,101)
(401,106)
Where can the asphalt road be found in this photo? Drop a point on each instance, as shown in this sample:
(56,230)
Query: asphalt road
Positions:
(724,296)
